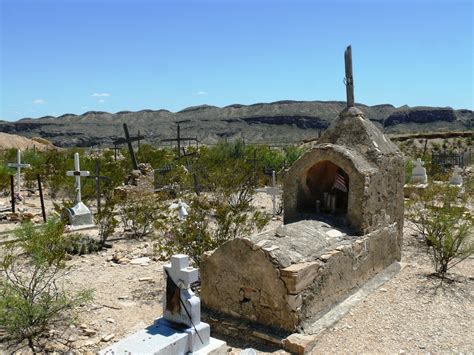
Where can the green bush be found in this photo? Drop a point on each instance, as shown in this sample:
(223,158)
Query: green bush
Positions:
(441,216)
(32,298)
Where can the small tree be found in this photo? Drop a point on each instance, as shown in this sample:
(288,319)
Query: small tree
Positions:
(31,298)
(213,219)
(441,216)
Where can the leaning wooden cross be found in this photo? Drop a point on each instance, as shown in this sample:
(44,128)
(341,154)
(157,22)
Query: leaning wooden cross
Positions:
(97,177)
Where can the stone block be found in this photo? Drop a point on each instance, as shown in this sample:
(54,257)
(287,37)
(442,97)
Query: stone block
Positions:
(299,344)
(298,276)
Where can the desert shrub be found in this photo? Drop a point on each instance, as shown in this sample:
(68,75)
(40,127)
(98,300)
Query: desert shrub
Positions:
(409,165)
(105,219)
(138,212)
(4,178)
(215,218)
(32,297)
(440,215)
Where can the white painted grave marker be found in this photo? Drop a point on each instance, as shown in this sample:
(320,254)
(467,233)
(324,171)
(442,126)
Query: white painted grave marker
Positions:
(456,178)
(180,330)
(18,165)
(79,215)
(77,173)
(418,175)
(182,208)
(273,191)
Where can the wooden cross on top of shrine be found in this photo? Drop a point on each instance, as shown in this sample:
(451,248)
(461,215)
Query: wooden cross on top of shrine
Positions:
(349,79)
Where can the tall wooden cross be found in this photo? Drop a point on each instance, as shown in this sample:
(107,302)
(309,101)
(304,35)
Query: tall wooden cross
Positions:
(349,80)
(77,173)
(128,139)
(18,165)
(97,177)
(130,147)
(180,139)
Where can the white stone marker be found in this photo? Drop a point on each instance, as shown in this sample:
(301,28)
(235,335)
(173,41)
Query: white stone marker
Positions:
(456,178)
(180,330)
(273,191)
(182,209)
(77,173)
(18,165)
(79,215)
(418,175)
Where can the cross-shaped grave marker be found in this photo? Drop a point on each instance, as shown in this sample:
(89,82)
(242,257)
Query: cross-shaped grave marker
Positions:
(77,173)
(273,191)
(18,165)
(188,308)
(180,139)
(97,177)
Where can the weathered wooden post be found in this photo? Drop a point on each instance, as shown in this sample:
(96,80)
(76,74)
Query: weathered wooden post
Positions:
(130,147)
(43,211)
(349,80)
(97,178)
(12,192)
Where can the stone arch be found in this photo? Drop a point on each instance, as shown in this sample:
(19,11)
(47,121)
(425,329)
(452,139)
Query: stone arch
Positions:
(298,195)
(319,180)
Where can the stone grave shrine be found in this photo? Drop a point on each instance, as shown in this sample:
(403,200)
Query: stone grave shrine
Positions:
(343,224)
(456,178)
(418,175)
(180,330)
(18,165)
(78,216)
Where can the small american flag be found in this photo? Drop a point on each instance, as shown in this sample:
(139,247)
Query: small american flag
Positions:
(340,182)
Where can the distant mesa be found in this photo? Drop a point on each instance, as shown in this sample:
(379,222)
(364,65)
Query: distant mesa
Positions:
(197,108)
(279,122)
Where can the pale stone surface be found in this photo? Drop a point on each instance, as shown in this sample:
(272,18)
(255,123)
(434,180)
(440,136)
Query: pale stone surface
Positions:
(79,216)
(299,344)
(418,175)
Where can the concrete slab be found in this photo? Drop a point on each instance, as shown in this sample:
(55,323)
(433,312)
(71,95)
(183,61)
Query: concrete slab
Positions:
(161,338)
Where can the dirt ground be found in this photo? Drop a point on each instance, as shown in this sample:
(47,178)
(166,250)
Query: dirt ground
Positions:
(413,312)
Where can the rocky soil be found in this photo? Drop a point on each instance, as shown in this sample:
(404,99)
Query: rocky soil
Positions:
(413,312)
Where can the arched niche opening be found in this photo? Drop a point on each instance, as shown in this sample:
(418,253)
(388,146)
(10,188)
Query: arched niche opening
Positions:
(327,183)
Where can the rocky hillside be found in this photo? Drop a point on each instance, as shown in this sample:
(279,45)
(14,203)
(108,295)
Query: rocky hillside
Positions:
(9,141)
(277,122)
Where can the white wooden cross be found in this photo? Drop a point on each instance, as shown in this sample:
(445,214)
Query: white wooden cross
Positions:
(273,191)
(77,173)
(18,165)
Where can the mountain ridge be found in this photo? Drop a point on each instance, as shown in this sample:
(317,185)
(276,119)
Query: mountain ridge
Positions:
(281,121)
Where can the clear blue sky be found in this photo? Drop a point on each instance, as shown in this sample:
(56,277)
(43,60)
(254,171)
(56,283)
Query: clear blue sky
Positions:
(71,56)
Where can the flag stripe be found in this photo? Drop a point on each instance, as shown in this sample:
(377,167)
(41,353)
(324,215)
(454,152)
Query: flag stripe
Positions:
(340,183)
